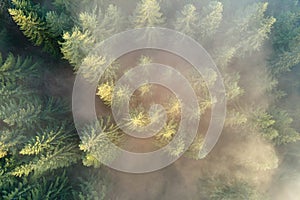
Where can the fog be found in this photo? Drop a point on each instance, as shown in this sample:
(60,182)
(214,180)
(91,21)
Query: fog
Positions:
(241,154)
(248,151)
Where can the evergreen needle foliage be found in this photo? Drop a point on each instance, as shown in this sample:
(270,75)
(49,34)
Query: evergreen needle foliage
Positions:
(255,46)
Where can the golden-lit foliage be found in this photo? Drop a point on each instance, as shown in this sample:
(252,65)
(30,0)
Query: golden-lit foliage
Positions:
(105,92)
(255,46)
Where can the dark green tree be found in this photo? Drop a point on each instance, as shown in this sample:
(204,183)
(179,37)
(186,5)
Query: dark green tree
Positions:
(42,28)
(35,139)
(76,46)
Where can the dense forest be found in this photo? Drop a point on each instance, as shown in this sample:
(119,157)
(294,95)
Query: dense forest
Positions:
(43,45)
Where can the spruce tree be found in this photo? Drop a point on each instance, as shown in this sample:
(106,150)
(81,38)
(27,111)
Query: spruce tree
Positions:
(251,28)
(42,28)
(188,21)
(32,26)
(112,22)
(76,46)
(147,14)
(287,52)
(96,140)
(210,22)
(34,140)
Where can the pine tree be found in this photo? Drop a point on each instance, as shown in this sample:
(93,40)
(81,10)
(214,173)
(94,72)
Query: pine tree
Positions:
(92,186)
(285,41)
(173,107)
(251,28)
(210,22)
(188,21)
(223,56)
(42,28)
(138,118)
(52,187)
(286,61)
(34,140)
(92,66)
(235,191)
(285,31)
(57,23)
(105,92)
(16,70)
(30,24)
(76,46)
(167,133)
(90,21)
(233,90)
(147,14)
(283,124)
(262,122)
(112,22)
(195,148)
(235,119)
(96,139)
(5,37)
(101,26)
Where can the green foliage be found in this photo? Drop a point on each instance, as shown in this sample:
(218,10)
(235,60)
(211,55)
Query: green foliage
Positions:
(30,24)
(59,187)
(222,56)
(57,23)
(210,22)
(173,107)
(275,125)
(4,39)
(92,66)
(263,122)
(167,133)
(14,70)
(26,117)
(283,124)
(96,142)
(44,141)
(195,148)
(43,29)
(89,21)
(147,14)
(188,21)
(46,188)
(285,31)
(285,37)
(138,118)
(233,90)
(111,23)
(235,191)
(287,60)
(145,60)
(251,28)
(94,186)
(38,143)
(235,119)
(33,139)
(176,148)
(102,26)
(105,92)
(76,46)
(145,90)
